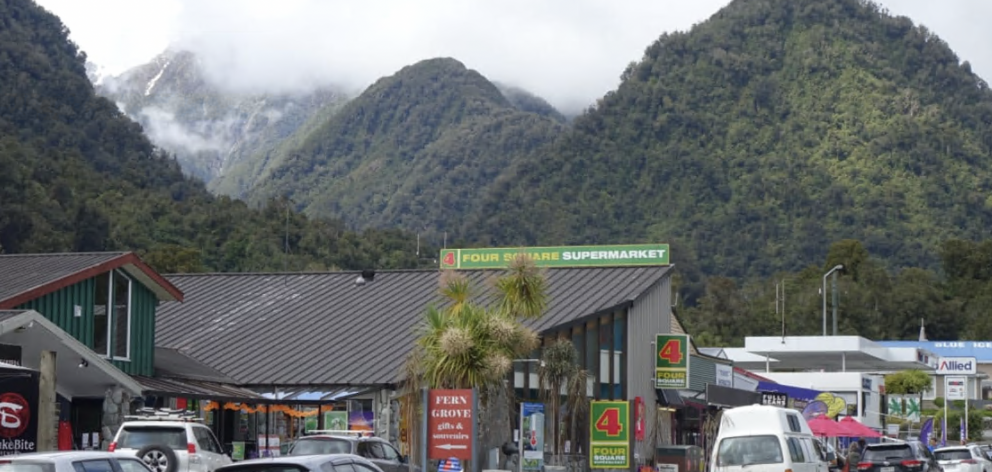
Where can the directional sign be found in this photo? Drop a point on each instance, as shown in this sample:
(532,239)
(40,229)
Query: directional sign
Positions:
(449,424)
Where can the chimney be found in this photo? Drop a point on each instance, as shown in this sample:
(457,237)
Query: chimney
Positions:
(367,276)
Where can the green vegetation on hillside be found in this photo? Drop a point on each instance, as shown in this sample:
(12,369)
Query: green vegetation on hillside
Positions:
(77,175)
(873,303)
(762,135)
(415,150)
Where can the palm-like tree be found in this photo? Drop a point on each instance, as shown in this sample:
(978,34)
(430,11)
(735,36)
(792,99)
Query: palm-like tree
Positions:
(561,376)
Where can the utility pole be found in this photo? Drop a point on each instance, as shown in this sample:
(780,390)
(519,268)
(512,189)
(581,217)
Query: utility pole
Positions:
(48,417)
(834,289)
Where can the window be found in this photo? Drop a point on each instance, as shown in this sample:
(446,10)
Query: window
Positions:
(137,437)
(747,450)
(132,465)
(865,399)
(886,452)
(369,450)
(268,467)
(359,467)
(389,452)
(953,455)
(819,450)
(796,451)
(93,466)
(122,316)
(306,447)
(205,439)
(794,423)
(112,326)
(24,466)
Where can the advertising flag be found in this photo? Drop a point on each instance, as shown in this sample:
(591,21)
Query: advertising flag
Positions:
(926,431)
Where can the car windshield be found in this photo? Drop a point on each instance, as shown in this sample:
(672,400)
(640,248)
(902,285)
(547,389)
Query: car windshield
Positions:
(747,450)
(137,437)
(883,453)
(953,455)
(265,468)
(22,466)
(307,446)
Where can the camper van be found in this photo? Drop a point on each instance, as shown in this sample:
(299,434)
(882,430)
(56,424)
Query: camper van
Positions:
(762,438)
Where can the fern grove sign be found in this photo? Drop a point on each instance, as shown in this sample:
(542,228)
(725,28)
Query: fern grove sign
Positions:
(558,256)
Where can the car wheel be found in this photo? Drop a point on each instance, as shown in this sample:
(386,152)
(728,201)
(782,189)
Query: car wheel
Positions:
(159,458)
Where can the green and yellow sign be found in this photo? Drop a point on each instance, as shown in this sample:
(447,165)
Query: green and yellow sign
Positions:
(672,361)
(558,256)
(609,438)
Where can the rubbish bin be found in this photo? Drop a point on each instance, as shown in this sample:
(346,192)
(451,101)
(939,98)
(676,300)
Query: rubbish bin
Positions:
(680,459)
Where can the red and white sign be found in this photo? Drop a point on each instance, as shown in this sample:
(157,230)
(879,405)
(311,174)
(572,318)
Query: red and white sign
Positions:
(15,414)
(449,424)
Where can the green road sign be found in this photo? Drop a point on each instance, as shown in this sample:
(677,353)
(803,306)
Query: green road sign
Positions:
(561,256)
(672,361)
(609,438)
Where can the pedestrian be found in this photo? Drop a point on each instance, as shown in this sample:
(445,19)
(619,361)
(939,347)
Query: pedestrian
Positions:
(861,446)
(933,443)
(853,457)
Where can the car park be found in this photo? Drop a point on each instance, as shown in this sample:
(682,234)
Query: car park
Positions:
(170,441)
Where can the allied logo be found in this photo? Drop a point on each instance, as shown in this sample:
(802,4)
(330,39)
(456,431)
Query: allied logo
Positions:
(14,415)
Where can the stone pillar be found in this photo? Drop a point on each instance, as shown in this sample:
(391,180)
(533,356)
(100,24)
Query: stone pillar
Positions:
(116,404)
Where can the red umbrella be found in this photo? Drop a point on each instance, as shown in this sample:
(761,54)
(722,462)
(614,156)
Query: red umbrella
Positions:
(854,426)
(823,426)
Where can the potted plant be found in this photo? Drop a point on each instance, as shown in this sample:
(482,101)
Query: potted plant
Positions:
(564,392)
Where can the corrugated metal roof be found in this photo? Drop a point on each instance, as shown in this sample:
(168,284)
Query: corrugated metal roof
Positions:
(8,314)
(323,329)
(172,363)
(195,389)
(20,273)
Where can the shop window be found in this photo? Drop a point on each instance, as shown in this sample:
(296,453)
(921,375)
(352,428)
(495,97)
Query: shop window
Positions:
(865,396)
(592,349)
(619,327)
(122,316)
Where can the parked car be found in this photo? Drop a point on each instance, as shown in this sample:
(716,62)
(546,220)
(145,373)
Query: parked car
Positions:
(170,441)
(377,450)
(963,459)
(309,463)
(985,448)
(762,438)
(71,461)
(907,456)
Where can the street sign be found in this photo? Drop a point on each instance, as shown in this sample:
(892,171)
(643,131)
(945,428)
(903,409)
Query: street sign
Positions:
(956,388)
(671,361)
(609,438)
(449,424)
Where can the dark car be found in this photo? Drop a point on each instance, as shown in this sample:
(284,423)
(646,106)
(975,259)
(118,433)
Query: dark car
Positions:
(377,450)
(909,456)
(322,463)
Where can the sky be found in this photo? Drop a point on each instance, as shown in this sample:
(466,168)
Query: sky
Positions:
(570,52)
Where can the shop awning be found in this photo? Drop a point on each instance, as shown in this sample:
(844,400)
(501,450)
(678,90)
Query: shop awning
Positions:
(669,398)
(187,388)
(80,372)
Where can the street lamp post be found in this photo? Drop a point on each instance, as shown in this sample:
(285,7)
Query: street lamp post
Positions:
(836,268)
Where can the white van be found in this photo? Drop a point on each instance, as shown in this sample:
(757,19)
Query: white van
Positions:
(762,438)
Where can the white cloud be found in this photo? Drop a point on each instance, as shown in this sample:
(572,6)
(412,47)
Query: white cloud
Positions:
(567,51)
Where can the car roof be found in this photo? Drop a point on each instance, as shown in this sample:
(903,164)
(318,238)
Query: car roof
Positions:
(301,460)
(953,448)
(168,424)
(62,455)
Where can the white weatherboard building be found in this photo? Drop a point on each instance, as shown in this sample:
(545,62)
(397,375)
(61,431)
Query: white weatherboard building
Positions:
(849,367)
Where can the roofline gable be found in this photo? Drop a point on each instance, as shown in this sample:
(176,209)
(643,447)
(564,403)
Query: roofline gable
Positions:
(164,289)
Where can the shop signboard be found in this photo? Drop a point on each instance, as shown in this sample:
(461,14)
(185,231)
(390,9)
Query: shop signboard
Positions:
(18,412)
(609,438)
(532,438)
(957,366)
(558,256)
(672,361)
(450,427)
(956,388)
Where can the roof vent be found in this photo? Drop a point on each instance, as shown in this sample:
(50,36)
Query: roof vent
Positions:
(367,276)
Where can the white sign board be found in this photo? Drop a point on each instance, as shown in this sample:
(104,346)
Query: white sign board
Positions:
(724,375)
(956,388)
(957,366)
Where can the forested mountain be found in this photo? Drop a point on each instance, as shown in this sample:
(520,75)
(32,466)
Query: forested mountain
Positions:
(762,135)
(77,174)
(415,150)
(211,130)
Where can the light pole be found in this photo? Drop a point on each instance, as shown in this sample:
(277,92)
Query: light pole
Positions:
(836,268)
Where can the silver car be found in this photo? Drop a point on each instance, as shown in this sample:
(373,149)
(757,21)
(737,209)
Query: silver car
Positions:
(308,463)
(71,461)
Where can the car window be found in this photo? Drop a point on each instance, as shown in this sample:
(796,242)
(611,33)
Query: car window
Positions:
(359,467)
(796,451)
(205,439)
(269,467)
(369,450)
(389,452)
(883,453)
(100,465)
(24,466)
(953,455)
(305,447)
(137,437)
(132,465)
(812,451)
(746,450)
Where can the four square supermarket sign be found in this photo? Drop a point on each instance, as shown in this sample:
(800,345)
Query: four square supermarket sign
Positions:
(558,256)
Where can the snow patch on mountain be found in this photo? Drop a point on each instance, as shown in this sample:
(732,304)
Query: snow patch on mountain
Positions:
(151,83)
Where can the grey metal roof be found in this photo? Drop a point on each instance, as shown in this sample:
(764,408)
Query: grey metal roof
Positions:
(21,273)
(196,389)
(322,329)
(8,314)
(172,363)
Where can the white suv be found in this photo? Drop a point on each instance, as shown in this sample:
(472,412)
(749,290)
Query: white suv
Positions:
(170,441)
